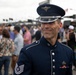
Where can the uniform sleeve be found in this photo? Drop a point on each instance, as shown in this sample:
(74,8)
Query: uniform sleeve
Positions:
(69,70)
(23,66)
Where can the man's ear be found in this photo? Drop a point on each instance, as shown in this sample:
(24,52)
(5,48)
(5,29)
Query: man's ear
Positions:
(61,25)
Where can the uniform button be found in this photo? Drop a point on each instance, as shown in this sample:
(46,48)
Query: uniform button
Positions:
(53,66)
(36,41)
(53,53)
(53,73)
(53,60)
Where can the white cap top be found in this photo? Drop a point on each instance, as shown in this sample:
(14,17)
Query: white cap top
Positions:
(71,27)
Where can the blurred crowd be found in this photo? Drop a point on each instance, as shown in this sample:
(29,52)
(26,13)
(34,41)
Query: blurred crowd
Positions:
(12,40)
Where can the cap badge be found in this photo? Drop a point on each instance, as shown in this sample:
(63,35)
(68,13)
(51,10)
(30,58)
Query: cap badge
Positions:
(46,8)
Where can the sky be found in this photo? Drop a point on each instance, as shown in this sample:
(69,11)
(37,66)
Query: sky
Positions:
(26,9)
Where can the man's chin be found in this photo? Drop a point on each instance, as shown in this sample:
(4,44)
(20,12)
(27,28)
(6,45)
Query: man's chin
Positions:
(47,37)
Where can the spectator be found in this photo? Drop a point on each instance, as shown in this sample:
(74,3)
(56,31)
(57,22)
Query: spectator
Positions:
(1,32)
(37,35)
(71,42)
(18,45)
(12,35)
(6,48)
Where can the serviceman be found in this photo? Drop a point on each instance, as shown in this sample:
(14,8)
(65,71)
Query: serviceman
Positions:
(46,56)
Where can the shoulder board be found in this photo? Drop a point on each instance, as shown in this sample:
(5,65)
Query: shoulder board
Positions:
(34,44)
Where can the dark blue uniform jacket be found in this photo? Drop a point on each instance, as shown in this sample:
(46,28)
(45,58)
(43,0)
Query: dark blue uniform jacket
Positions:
(41,58)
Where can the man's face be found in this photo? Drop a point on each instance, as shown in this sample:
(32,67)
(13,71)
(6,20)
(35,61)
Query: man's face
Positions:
(50,30)
(8,27)
(14,31)
(0,30)
(71,30)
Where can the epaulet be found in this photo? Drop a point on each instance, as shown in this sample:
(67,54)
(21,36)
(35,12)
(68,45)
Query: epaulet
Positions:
(33,44)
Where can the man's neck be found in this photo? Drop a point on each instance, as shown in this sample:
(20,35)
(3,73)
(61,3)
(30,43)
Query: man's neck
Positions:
(52,41)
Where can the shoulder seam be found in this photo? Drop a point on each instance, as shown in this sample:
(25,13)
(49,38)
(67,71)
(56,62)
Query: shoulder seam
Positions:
(32,45)
(66,45)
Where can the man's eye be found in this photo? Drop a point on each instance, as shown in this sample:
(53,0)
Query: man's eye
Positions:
(51,22)
(48,23)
